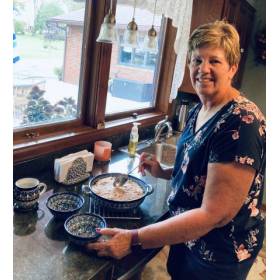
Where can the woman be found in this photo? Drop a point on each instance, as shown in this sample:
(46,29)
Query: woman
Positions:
(216,229)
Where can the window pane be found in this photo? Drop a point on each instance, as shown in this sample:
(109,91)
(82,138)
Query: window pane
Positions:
(132,71)
(48,40)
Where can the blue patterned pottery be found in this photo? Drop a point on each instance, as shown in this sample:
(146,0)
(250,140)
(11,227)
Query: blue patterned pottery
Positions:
(64,204)
(81,228)
(119,206)
(27,192)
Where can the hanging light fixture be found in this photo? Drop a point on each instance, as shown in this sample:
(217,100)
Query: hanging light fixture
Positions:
(108,30)
(151,40)
(131,32)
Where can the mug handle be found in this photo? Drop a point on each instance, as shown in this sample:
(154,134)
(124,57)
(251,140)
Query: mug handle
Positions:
(42,187)
(150,189)
(86,189)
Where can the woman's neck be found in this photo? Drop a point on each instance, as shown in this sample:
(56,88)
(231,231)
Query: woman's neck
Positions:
(210,106)
(214,103)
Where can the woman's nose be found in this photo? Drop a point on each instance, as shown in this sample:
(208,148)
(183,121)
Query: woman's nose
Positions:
(204,67)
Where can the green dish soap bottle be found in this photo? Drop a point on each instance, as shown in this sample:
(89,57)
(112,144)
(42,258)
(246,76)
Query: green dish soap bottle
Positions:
(133,140)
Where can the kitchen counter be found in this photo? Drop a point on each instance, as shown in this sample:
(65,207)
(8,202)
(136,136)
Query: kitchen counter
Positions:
(41,247)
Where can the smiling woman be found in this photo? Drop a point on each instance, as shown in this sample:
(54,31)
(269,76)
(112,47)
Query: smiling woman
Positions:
(210,72)
(216,228)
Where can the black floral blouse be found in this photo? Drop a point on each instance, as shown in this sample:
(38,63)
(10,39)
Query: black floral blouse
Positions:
(236,133)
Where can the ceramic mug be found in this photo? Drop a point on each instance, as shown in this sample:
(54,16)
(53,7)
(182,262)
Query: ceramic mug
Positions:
(27,192)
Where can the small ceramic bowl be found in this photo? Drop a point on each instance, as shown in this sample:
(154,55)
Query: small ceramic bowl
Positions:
(81,228)
(64,204)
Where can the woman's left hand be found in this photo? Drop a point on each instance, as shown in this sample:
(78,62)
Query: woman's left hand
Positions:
(117,246)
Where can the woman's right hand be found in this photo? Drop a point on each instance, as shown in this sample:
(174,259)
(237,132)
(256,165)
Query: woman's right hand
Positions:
(149,162)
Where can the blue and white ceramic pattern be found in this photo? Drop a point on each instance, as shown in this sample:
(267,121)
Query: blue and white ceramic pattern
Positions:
(28,190)
(81,228)
(62,205)
(25,205)
(119,206)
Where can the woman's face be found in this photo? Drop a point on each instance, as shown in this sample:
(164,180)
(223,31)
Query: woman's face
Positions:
(210,72)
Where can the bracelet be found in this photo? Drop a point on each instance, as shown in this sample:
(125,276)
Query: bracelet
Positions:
(135,238)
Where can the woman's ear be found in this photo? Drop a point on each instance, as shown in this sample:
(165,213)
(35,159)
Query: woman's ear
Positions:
(232,71)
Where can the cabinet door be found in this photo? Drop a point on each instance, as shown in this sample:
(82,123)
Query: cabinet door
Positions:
(238,12)
(241,15)
(204,11)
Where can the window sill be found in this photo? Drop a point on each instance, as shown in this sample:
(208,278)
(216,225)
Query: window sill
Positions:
(50,143)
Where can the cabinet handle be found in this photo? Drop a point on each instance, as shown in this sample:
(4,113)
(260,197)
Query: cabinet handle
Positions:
(242,50)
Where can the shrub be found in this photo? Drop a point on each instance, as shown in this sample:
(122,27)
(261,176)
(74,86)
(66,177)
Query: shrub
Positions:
(45,12)
(19,27)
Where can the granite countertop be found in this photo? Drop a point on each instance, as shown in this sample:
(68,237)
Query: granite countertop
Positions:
(42,250)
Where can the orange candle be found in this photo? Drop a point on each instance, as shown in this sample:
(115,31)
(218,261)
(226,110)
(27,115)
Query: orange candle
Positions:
(102,150)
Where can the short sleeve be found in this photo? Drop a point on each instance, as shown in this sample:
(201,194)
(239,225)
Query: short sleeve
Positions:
(238,139)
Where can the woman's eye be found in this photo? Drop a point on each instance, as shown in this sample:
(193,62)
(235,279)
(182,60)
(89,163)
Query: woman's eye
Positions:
(214,61)
(196,61)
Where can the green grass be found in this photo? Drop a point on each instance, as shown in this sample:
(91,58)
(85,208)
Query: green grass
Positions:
(37,47)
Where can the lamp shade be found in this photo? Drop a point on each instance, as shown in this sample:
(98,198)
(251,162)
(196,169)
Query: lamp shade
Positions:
(151,41)
(131,35)
(108,31)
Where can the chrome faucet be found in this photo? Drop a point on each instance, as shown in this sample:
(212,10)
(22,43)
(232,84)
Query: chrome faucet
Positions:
(160,127)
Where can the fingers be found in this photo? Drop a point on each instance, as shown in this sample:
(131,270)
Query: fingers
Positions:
(146,161)
(103,254)
(108,231)
(99,245)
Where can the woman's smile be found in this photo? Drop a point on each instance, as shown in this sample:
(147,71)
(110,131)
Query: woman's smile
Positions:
(205,80)
(210,71)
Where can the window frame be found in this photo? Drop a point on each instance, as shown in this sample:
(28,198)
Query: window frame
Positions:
(93,124)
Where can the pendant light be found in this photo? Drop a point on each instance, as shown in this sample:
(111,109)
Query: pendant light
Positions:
(151,40)
(108,31)
(131,32)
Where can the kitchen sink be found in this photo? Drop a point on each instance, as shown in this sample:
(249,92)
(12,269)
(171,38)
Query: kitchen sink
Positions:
(165,151)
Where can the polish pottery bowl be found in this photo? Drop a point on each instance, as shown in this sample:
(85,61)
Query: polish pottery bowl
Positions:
(81,228)
(64,204)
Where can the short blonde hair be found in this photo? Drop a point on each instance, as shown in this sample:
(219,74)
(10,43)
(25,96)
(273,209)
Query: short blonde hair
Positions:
(218,34)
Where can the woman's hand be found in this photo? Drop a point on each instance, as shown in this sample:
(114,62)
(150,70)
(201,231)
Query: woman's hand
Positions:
(117,246)
(149,162)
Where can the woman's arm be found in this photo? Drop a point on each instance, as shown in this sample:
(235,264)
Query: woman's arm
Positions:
(226,188)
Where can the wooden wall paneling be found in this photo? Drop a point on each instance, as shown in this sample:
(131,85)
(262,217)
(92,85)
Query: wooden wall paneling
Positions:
(204,11)
(167,69)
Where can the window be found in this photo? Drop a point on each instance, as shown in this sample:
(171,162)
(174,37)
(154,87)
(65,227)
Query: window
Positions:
(133,71)
(137,58)
(49,38)
(86,77)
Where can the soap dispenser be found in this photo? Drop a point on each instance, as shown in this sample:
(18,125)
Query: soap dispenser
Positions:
(133,140)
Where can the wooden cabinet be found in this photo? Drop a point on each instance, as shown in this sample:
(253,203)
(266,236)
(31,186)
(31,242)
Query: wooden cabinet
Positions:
(241,14)
(238,12)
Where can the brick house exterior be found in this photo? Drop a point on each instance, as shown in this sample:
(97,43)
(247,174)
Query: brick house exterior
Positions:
(73,48)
